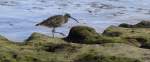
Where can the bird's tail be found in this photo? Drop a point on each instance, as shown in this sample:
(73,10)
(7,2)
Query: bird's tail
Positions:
(37,24)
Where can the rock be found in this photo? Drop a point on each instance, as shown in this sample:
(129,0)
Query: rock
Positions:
(135,41)
(37,36)
(59,47)
(140,37)
(88,35)
(143,24)
(110,31)
(94,57)
(2,38)
(110,52)
(125,25)
(56,50)
(112,34)
(81,33)
(40,39)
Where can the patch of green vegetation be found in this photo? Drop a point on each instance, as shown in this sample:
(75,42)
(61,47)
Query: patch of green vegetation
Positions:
(125,25)
(88,35)
(112,31)
(142,24)
(54,47)
(41,48)
(134,36)
(95,57)
(80,33)
(83,44)
(103,39)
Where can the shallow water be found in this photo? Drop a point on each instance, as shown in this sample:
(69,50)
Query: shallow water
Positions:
(18,17)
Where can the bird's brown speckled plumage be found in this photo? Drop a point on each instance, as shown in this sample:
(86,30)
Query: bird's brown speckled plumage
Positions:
(54,21)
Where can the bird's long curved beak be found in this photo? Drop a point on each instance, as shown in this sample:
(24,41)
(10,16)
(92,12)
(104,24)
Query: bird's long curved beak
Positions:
(75,19)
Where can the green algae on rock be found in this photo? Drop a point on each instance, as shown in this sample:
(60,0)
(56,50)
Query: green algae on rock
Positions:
(140,37)
(142,24)
(94,57)
(42,48)
(88,35)
(93,47)
(112,31)
(125,25)
(81,33)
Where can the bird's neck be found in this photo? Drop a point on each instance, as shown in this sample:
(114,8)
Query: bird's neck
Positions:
(66,19)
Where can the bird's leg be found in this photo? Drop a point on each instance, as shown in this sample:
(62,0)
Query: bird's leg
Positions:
(61,33)
(53,31)
(57,32)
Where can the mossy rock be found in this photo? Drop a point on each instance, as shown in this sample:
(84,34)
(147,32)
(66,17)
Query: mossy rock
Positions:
(88,35)
(112,34)
(3,38)
(53,47)
(38,38)
(133,42)
(5,41)
(126,35)
(109,32)
(143,24)
(139,38)
(57,50)
(125,25)
(81,33)
(95,57)
(146,45)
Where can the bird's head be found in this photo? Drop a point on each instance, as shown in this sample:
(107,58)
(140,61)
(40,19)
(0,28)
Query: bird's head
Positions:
(69,16)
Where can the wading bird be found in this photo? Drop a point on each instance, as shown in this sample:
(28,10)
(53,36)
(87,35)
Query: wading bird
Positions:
(56,21)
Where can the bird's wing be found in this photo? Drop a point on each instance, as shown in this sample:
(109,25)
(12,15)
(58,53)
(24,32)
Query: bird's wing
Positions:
(56,20)
(49,20)
(53,21)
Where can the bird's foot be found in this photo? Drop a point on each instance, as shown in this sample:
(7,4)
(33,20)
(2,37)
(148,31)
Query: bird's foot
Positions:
(62,34)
